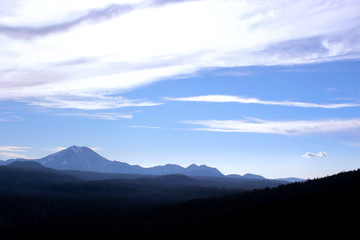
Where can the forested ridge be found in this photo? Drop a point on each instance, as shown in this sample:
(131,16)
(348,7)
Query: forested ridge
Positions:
(127,209)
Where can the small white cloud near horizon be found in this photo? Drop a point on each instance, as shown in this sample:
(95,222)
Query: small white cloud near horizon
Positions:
(313,155)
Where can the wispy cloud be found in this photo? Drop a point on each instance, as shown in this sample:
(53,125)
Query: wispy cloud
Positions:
(89,102)
(13,78)
(142,126)
(96,148)
(233,73)
(6,155)
(8,152)
(245,100)
(57,149)
(9,117)
(312,155)
(92,16)
(301,127)
(89,93)
(155,127)
(99,115)
(332,89)
(27,32)
(116,47)
(14,149)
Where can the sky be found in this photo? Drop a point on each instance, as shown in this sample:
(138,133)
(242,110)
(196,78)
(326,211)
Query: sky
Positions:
(246,86)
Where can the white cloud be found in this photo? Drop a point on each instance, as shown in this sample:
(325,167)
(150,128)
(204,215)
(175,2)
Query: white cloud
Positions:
(96,148)
(141,126)
(302,127)
(99,115)
(92,48)
(245,100)
(9,117)
(235,73)
(58,149)
(89,102)
(14,149)
(6,155)
(312,155)
(12,152)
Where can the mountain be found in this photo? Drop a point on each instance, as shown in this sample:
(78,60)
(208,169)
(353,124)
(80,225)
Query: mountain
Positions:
(253,176)
(202,170)
(247,175)
(80,158)
(192,170)
(292,179)
(85,159)
(259,177)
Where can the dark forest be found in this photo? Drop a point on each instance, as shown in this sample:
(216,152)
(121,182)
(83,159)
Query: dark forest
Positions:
(46,203)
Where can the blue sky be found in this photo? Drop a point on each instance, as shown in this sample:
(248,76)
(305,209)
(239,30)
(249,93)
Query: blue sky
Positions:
(270,88)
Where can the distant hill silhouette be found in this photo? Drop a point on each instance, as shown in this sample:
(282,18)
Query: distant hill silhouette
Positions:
(26,164)
(20,175)
(247,175)
(192,170)
(33,174)
(292,179)
(85,159)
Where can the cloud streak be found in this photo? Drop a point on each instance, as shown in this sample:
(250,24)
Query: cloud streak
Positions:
(290,128)
(313,155)
(8,152)
(141,126)
(9,117)
(11,155)
(92,16)
(99,115)
(14,149)
(89,102)
(245,100)
(28,32)
(58,149)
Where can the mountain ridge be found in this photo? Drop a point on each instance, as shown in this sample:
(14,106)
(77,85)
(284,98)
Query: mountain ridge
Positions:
(85,159)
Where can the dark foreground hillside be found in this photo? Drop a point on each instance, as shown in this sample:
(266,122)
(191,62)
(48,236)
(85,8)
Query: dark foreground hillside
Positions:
(317,209)
(116,209)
